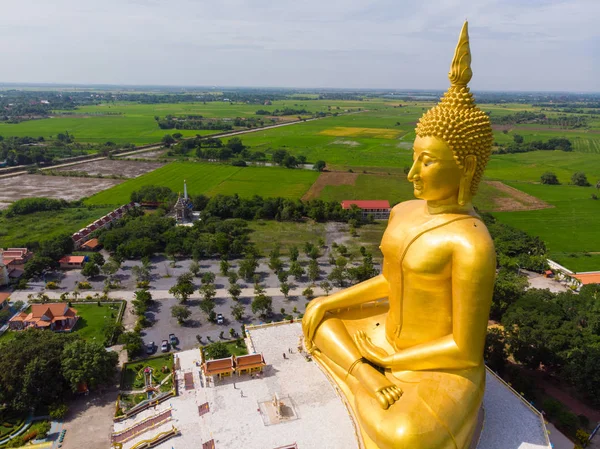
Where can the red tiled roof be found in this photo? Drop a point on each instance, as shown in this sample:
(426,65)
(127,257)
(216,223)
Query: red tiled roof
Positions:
(92,244)
(72,259)
(217,366)
(4,297)
(366,204)
(588,278)
(249,361)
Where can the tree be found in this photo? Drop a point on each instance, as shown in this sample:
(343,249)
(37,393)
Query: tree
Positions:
(313,270)
(141,302)
(97,258)
(181,313)
(168,140)
(235,291)
(294,253)
(86,362)
(237,311)
(208,291)
(224,267)
(338,276)
(132,342)
(207,306)
(235,145)
(326,287)
(37,265)
(579,179)
(308,293)
(233,277)
(90,270)
(549,178)
(282,276)
(184,287)
(248,267)
(141,273)
(296,270)
(285,289)
(518,139)
(217,350)
(319,166)
(110,268)
(262,305)
(495,350)
(208,277)
(195,268)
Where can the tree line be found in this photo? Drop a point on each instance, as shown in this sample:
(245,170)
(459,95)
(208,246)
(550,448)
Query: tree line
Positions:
(520,146)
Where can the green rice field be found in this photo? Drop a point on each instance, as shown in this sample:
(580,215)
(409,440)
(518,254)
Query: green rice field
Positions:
(212,179)
(569,229)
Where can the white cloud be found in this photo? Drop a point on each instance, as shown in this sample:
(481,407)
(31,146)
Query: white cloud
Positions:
(538,44)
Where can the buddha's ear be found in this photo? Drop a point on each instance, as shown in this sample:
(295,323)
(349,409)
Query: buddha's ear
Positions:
(470,164)
(464,189)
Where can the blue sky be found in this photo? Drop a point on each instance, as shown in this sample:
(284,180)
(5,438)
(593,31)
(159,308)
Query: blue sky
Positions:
(399,44)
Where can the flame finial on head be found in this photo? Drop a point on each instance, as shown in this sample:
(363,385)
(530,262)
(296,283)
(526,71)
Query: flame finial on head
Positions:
(456,119)
(460,71)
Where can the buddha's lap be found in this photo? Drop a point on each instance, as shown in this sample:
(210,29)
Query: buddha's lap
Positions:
(434,404)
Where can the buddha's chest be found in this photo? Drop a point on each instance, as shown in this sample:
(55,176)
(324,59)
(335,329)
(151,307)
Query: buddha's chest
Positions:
(417,248)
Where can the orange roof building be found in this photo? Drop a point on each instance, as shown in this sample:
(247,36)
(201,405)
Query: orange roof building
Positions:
(91,245)
(4,300)
(58,317)
(219,367)
(251,363)
(379,209)
(68,262)
(592,277)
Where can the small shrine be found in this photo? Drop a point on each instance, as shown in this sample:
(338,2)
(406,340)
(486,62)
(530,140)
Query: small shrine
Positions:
(183,207)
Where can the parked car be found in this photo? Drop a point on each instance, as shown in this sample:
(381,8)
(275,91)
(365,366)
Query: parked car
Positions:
(150,348)
(173,340)
(220,318)
(164,347)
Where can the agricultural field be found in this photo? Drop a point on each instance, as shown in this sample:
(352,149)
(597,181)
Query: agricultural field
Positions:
(60,187)
(130,122)
(22,230)
(569,228)
(109,167)
(212,179)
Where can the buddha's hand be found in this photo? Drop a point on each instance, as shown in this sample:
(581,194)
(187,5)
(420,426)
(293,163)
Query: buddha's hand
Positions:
(372,352)
(315,311)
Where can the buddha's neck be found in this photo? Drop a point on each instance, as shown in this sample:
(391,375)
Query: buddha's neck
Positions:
(449,207)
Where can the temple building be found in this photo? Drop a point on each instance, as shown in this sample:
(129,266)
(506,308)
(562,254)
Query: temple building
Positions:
(183,207)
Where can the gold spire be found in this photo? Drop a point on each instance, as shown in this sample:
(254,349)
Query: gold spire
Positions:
(460,71)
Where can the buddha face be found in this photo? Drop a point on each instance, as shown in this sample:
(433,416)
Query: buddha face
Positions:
(435,174)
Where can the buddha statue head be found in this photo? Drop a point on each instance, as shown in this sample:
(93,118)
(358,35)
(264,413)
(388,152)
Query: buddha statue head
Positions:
(454,139)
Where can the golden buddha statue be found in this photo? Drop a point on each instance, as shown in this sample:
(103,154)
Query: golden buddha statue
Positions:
(406,347)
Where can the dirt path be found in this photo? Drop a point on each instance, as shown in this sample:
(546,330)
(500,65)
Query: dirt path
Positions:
(329,179)
(517,200)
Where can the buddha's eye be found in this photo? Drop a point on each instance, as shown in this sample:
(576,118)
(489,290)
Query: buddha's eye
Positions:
(427,162)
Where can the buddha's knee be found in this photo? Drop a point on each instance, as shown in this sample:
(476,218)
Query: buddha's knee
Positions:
(404,426)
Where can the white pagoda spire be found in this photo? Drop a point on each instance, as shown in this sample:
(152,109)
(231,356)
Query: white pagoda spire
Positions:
(185,190)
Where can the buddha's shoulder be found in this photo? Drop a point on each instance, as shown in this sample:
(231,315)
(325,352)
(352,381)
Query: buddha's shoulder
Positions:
(473,233)
(407,206)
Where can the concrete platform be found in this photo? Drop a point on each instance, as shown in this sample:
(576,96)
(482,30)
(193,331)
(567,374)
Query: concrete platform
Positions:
(317,417)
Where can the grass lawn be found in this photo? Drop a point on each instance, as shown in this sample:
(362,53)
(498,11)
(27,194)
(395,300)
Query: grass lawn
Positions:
(268,233)
(22,229)
(93,319)
(212,179)
(133,380)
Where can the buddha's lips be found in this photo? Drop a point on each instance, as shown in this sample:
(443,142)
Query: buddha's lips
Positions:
(417,186)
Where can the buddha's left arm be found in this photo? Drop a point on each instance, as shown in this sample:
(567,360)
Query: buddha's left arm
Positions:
(473,275)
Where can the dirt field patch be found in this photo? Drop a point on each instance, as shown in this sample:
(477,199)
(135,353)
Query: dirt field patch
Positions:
(516,201)
(107,167)
(27,186)
(153,154)
(375,133)
(329,179)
